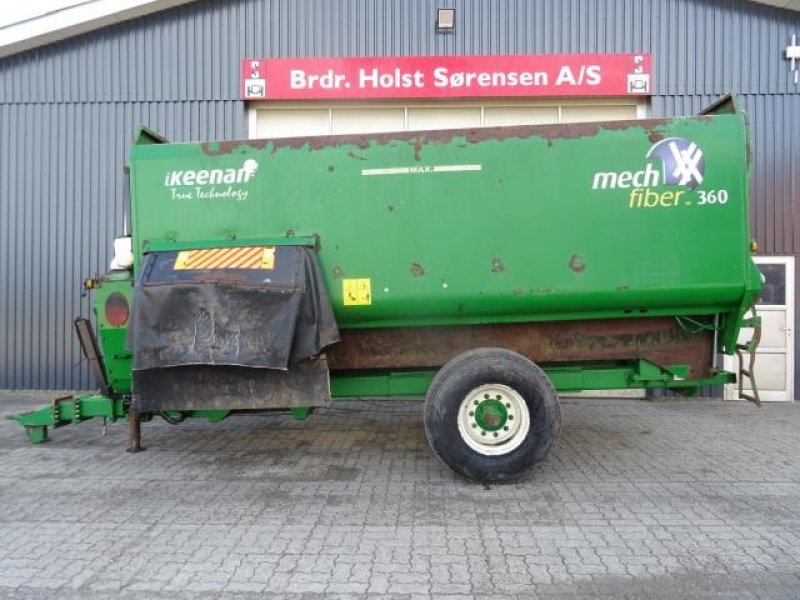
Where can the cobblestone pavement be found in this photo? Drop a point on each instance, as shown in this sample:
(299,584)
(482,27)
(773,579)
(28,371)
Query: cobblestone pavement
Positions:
(661,499)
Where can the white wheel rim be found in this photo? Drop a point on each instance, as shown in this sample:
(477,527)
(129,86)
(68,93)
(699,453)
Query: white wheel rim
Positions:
(480,427)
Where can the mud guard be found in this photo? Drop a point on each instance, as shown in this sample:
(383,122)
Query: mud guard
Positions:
(240,328)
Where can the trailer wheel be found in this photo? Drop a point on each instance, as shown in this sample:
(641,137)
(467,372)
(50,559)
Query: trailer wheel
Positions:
(490,414)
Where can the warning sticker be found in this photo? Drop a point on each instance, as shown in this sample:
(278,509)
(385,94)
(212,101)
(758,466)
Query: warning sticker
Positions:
(357,292)
(249,257)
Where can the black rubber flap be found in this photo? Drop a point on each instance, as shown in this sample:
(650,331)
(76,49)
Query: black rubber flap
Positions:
(198,387)
(272,315)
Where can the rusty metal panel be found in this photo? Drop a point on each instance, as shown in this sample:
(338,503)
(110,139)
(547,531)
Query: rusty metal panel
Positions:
(660,340)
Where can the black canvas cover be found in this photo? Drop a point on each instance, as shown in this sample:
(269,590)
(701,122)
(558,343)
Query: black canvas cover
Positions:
(252,317)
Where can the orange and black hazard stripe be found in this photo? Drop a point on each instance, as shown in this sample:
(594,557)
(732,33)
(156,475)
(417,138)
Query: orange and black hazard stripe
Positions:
(248,257)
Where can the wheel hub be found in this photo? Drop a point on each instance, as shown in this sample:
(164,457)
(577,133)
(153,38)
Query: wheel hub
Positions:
(493,419)
(491,414)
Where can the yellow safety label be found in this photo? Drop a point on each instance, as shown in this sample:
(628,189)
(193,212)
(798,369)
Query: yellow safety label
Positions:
(249,257)
(357,292)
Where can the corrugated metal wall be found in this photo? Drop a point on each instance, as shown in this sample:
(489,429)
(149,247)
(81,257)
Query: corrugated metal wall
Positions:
(61,190)
(68,111)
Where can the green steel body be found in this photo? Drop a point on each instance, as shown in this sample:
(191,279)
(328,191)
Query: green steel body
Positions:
(518,235)
(459,228)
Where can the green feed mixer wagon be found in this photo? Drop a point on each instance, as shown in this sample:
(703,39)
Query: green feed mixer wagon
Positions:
(485,269)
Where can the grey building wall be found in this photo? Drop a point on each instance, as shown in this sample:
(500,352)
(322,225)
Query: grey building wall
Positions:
(68,111)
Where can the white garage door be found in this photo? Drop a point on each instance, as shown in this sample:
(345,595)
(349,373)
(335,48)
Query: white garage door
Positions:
(276,120)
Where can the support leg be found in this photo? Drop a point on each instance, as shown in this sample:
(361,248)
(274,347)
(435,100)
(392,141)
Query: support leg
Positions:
(36,433)
(135,429)
(301,413)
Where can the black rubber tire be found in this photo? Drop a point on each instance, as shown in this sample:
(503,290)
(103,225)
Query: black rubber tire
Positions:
(470,370)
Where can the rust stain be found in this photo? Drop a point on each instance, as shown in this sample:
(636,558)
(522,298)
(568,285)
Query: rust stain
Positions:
(497,265)
(226,147)
(417,270)
(576,264)
(419,139)
(417,148)
(654,135)
(560,132)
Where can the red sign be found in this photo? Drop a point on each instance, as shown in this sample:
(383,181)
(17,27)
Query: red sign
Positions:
(446,76)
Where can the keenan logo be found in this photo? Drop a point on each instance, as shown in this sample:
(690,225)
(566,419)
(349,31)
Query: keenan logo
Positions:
(211,184)
(682,165)
(212,176)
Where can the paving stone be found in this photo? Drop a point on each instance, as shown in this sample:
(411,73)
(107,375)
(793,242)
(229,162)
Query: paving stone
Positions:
(351,504)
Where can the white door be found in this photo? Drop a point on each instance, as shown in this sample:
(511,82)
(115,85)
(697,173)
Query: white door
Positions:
(774,365)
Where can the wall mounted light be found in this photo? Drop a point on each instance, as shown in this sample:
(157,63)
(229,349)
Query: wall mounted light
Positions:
(445,19)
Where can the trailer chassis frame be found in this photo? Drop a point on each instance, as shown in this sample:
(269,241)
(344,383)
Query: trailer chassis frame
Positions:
(575,377)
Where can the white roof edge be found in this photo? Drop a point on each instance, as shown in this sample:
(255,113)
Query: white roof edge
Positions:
(75,20)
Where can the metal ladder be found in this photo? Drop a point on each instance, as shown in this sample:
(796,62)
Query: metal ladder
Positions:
(750,347)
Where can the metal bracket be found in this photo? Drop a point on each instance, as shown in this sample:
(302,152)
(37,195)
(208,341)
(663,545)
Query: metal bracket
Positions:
(793,55)
(57,402)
